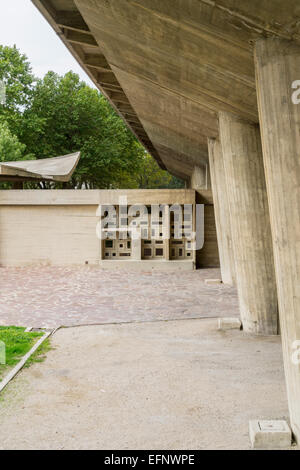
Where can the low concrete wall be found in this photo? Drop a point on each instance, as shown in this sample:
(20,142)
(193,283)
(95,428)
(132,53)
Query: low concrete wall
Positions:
(57,235)
(59,227)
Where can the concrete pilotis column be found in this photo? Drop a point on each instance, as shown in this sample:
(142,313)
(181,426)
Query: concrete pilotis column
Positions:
(250,224)
(200,178)
(136,251)
(166,232)
(278,88)
(222,215)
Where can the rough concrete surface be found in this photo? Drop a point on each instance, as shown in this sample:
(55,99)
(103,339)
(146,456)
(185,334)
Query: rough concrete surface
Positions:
(162,385)
(270,434)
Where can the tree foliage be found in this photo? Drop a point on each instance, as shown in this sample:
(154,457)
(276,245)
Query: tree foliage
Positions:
(150,175)
(10,147)
(75,117)
(17,77)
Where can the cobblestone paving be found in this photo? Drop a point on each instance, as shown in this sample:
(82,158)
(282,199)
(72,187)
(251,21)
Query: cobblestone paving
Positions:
(55,296)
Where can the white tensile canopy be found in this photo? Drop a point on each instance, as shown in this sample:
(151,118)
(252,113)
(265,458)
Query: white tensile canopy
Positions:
(47,169)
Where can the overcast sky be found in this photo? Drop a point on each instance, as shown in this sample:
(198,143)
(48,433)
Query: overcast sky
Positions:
(23,25)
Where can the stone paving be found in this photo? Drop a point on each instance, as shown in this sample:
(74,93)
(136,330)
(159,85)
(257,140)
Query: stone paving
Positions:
(69,296)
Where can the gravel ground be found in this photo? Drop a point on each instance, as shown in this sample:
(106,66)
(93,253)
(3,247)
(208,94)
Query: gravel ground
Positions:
(161,385)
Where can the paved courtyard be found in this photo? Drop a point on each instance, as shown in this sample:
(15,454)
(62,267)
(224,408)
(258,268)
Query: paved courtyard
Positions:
(69,296)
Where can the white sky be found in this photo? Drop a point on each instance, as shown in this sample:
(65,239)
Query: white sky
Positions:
(23,25)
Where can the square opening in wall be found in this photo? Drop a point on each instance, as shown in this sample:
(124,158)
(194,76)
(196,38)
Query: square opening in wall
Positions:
(147,252)
(109,243)
(159,252)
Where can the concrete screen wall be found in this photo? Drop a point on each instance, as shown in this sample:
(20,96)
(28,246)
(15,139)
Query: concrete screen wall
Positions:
(59,227)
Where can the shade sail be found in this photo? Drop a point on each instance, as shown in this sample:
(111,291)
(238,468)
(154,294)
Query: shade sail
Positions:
(50,169)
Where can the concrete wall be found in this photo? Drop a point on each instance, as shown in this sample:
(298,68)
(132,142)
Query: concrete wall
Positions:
(48,235)
(59,227)
(208,257)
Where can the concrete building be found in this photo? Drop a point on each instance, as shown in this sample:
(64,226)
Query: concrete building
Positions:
(181,72)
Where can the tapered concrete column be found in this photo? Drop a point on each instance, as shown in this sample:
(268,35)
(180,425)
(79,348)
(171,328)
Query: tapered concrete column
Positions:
(200,178)
(136,251)
(277,70)
(250,224)
(222,215)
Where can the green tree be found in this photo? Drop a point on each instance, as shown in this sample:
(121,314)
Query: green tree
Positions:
(151,176)
(16,75)
(74,117)
(11,148)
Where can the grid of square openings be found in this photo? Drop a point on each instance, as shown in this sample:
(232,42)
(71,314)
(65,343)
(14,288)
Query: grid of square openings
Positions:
(118,245)
(153,246)
(181,243)
(117,249)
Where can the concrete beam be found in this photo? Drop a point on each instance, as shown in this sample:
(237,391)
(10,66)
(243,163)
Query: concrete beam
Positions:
(72,20)
(79,38)
(200,178)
